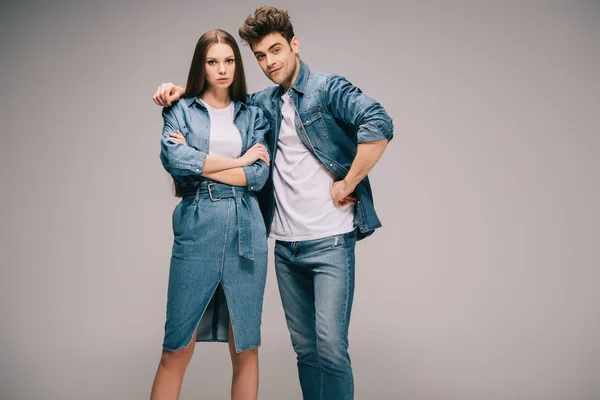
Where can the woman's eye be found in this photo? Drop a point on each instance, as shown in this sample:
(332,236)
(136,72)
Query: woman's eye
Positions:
(211,62)
(230,61)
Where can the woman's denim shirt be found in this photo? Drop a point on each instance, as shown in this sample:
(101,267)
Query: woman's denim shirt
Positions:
(190,116)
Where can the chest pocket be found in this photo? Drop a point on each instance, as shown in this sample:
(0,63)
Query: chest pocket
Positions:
(314,124)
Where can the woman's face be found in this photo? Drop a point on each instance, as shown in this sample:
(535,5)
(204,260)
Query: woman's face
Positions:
(220,65)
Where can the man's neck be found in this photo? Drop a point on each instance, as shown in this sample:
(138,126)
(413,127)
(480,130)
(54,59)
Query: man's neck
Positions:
(287,85)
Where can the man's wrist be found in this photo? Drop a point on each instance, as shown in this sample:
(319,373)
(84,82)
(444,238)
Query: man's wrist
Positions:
(351,182)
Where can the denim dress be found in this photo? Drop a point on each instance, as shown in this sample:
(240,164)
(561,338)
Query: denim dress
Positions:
(219,258)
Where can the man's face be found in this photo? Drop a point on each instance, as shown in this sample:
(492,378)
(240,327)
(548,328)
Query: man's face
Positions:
(277,58)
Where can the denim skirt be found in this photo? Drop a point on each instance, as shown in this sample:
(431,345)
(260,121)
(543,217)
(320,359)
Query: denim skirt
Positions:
(218,268)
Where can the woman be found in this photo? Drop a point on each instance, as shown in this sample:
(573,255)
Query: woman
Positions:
(213,146)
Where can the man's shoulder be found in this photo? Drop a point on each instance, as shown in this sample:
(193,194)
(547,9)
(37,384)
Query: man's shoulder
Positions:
(317,81)
(320,80)
(262,96)
(254,111)
(319,76)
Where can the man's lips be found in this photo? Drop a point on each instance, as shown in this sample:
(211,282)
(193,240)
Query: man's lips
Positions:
(274,70)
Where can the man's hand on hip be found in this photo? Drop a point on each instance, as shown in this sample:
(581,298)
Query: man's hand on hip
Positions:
(342,193)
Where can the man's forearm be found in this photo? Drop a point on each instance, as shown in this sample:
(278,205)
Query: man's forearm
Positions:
(367,155)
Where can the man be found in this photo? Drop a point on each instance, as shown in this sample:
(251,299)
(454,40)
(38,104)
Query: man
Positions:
(326,135)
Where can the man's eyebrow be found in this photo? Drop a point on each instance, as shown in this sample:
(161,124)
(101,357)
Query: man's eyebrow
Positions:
(273,45)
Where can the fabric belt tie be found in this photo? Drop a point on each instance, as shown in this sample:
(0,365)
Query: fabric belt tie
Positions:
(218,191)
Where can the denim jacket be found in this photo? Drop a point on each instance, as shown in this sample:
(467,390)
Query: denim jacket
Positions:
(190,116)
(333,117)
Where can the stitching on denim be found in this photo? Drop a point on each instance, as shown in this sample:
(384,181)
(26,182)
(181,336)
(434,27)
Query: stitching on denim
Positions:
(224,242)
(230,319)
(215,319)
(317,340)
(346,316)
(194,332)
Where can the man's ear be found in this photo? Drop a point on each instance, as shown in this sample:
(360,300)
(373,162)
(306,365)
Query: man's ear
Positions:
(295,44)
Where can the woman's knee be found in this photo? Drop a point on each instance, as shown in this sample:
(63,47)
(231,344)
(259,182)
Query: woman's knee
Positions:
(176,359)
(246,357)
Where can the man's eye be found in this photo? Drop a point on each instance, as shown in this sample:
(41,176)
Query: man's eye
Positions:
(260,57)
(276,50)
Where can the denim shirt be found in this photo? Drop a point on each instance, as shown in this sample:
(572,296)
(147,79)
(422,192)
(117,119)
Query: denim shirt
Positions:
(190,116)
(333,117)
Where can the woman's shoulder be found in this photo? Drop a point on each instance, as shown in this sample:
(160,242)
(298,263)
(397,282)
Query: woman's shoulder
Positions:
(177,109)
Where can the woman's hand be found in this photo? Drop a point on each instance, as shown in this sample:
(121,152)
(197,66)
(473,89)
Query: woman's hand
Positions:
(177,137)
(254,153)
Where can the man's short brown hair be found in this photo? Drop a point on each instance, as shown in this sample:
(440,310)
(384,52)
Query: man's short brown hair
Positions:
(263,22)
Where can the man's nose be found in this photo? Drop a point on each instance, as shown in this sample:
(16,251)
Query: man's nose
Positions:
(270,59)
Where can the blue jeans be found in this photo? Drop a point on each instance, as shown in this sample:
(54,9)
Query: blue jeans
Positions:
(316,284)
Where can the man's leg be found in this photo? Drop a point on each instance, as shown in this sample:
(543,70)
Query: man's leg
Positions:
(296,288)
(334,292)
(316,284)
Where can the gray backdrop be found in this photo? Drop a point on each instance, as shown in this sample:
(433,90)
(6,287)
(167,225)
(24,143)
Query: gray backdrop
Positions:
(483,283)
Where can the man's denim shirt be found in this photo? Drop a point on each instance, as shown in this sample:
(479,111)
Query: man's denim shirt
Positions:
(190,116)
(333,118)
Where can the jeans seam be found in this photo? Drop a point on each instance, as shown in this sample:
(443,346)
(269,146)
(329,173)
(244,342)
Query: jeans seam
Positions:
(317,343)
(347,304)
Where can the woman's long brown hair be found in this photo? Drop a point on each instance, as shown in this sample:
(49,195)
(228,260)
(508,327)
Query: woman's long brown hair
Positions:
(196,82)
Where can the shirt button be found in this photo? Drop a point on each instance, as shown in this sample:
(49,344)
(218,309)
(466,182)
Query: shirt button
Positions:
(197,169)
(331,164)
(251,187)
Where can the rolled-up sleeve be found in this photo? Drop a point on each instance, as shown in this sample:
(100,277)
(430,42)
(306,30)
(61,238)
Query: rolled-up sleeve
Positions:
(178,159)
(258,172)
(349,104)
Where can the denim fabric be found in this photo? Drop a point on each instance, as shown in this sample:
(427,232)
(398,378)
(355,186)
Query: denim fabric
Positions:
(190,116)
(219,257)
(316,284)
(333,118)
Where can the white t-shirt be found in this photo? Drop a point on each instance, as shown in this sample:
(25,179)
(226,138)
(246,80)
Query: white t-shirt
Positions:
(225,139)
(304,209)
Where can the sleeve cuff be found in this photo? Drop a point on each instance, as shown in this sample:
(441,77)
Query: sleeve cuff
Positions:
(199,163)
(372,133)
(251,178)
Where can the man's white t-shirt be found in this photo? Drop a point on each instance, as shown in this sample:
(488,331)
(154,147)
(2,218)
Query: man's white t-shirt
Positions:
(304,209)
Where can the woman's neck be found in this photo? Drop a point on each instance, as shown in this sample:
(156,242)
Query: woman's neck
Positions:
(217,98)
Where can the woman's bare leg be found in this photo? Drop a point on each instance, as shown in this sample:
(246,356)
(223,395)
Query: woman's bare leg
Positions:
(244,382)
(171,369)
